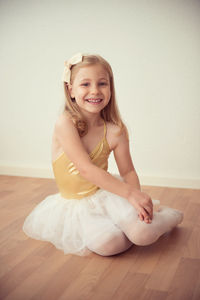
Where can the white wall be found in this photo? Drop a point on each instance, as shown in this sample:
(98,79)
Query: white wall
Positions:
(153,47)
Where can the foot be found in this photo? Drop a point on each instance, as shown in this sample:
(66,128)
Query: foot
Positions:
(171,215)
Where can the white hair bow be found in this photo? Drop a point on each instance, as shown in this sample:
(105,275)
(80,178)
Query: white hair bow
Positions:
(68,64)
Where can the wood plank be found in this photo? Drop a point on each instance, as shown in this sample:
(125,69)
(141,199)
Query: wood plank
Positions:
(164,271)
(188,271)
(65,284)
(30,285)
(131,287)
(192,248)
(16,274)
(111,278)
(59,282)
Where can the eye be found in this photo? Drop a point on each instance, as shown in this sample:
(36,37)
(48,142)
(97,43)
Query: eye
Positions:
(85,84)
(103,83)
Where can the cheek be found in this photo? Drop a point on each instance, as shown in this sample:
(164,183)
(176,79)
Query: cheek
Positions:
(109,94)
(80,94)
(83,94)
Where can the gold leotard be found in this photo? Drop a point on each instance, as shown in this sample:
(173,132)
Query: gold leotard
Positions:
(70,183)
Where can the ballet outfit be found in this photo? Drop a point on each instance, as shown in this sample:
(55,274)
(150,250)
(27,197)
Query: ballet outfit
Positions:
(81,212)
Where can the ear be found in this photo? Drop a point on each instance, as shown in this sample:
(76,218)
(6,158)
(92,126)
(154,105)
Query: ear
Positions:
(70,89)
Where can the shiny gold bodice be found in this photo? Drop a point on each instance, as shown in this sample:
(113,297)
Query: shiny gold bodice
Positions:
(68,179)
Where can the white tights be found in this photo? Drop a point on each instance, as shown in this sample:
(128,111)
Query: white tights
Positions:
(137,232)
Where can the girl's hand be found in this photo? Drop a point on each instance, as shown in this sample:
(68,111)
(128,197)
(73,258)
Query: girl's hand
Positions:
(143,204)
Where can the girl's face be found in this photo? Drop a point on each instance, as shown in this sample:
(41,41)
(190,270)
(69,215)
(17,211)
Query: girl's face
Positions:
(91,88)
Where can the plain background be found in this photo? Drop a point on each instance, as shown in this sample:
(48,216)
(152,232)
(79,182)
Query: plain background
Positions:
(153,48)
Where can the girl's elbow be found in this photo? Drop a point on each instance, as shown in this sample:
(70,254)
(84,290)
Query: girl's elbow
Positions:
(84,169)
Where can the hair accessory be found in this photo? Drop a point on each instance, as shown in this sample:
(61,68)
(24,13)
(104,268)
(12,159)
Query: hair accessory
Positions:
(68,64)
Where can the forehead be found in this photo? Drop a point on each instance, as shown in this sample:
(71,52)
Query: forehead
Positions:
(96,71)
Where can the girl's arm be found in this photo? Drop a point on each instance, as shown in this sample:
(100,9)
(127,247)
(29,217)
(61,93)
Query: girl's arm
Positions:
(132,178)
(71,144)
(124,162)
(125,166)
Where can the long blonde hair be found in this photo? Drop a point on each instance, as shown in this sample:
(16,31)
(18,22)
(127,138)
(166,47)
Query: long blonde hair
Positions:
(109,113)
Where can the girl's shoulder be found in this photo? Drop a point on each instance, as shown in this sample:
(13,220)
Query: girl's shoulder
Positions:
(114,134)
(62,119)
(62,122)
(112,128)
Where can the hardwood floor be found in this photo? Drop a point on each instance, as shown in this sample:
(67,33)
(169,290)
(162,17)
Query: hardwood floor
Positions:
(30,269)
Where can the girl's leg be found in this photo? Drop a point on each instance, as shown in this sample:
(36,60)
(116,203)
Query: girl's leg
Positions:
(144,234)
(110,243)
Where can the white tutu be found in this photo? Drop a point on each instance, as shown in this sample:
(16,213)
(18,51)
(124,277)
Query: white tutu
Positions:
(71,224)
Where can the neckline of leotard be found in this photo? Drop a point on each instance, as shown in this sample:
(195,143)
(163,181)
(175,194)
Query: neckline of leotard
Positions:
(95,148)
(104,135)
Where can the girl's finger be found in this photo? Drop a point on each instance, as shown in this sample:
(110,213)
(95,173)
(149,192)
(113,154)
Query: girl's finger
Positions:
(149,211)
(148,221)
(144,213)
(141,217)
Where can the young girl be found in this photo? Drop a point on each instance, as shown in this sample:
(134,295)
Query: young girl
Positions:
(94,210)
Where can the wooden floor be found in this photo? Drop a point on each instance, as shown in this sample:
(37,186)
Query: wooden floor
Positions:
(30,269)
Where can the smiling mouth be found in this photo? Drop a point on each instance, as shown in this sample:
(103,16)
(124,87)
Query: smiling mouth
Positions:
(94,101)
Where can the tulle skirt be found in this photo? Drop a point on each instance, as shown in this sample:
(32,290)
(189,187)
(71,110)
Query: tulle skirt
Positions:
(71,224)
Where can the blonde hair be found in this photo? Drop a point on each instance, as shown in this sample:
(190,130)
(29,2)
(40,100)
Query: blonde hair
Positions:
(109,113)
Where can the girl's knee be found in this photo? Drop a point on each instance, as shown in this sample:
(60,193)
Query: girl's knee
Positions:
(143,235)
(111,246)
(145,238)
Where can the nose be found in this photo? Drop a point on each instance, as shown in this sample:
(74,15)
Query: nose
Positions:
(94,89)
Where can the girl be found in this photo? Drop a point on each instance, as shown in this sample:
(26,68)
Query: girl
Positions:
(95,211)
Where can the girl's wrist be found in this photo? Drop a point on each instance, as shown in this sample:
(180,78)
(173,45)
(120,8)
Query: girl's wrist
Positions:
(131,193)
